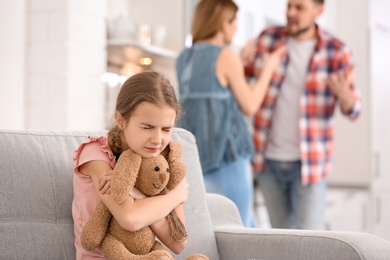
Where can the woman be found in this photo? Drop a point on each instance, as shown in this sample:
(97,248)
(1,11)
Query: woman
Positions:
(215,94)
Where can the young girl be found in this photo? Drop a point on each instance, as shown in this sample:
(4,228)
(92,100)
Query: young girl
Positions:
(215,95)
(145,114)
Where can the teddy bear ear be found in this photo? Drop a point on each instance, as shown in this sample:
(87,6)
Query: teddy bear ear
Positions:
(177,167)
(125,175)
(177,173)
(174,151)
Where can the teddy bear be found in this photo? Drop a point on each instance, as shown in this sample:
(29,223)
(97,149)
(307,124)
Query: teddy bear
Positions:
(151,176)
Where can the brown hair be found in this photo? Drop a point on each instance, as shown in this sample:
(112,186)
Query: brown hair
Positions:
(148,86)
(321,2)
(209,16)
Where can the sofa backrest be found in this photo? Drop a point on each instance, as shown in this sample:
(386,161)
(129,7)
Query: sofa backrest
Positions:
(36,173)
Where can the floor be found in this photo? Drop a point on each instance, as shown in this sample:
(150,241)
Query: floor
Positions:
(261,210)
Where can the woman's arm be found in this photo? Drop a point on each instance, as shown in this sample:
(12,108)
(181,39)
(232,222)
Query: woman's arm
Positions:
(230,70)
(133,214)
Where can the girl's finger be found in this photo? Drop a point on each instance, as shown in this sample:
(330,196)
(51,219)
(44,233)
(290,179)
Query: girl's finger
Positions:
(105,189)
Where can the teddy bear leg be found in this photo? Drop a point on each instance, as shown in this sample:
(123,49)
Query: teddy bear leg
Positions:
(158,247)
(116,250)
(95,230)
(156,255)
(197,257)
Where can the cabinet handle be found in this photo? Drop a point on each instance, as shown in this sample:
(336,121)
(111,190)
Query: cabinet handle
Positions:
(377,164)
(378,210)
(364,217)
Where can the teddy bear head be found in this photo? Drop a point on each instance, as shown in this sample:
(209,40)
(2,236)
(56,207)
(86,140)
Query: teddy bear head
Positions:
(148,175)
(153,175)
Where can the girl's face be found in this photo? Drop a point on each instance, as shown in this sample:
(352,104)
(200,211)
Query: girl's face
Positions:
(148,130)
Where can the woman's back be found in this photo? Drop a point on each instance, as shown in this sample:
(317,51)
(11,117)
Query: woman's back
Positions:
(210,110)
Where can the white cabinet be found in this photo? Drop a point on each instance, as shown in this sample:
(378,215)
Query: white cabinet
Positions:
(381,210)
(130,55)
(380,96)
(362,149)
(347,209)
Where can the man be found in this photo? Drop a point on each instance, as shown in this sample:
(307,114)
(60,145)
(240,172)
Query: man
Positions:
(293,129)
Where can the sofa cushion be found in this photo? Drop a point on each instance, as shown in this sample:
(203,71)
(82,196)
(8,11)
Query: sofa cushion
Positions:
(36,174)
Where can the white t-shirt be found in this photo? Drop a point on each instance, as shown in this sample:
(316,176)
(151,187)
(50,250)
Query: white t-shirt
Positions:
(284,138)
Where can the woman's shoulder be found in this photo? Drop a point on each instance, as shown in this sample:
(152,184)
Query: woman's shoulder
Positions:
(228,58)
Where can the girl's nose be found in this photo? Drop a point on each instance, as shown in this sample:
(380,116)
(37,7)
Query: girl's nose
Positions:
(156,137)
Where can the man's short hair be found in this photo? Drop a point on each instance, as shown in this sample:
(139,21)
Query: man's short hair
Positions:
(319,1)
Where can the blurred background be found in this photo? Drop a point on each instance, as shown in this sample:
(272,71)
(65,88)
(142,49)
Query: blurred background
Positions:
(63,61)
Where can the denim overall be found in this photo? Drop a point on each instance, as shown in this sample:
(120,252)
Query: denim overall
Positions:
(211,113)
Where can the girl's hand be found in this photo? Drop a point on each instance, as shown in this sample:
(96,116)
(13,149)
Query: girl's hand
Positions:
(105,182)
(136,194)
(105,186)
(181,191)
(272,60)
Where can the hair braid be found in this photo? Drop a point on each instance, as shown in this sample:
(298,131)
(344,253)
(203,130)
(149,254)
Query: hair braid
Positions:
(114,140)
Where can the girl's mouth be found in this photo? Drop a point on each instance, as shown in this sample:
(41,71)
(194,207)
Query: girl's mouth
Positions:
(153,150)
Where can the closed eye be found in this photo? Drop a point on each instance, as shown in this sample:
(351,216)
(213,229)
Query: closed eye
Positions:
(146,126)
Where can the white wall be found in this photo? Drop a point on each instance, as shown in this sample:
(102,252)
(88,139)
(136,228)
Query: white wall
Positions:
(13,64)
(53,53)
(254,15)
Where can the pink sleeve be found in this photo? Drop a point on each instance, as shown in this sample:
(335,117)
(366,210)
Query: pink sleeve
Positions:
(94,149)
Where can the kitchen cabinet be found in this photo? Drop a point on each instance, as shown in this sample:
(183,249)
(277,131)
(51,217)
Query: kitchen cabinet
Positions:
(127,57)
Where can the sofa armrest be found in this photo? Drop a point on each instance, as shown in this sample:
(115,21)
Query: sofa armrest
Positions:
(223,211)
(236,242)
(256,244)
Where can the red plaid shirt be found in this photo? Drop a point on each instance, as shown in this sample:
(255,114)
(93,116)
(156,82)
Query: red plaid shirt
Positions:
(317,102)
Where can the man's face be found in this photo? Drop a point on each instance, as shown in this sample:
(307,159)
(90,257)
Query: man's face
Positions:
(301,16)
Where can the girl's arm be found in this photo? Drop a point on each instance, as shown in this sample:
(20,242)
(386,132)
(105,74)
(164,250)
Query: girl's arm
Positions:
(161,227)
(230,70)
(162,231)
(133,214)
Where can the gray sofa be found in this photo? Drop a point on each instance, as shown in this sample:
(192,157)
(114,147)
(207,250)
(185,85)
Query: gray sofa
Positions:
(36,174)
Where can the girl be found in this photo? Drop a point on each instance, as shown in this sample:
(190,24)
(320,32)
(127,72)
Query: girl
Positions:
(145,114)
(214,92)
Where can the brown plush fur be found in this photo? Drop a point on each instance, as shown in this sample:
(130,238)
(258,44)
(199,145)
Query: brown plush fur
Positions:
(151,176)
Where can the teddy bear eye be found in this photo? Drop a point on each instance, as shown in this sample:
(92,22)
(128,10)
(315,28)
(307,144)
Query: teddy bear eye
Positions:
(157,168)
(168,170)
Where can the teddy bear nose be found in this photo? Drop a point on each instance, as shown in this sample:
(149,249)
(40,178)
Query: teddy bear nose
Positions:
(163,177)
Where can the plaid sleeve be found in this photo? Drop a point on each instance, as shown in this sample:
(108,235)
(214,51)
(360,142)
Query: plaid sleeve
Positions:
(345,61)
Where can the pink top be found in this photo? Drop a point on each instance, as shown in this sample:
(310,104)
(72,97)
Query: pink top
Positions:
(86,196)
